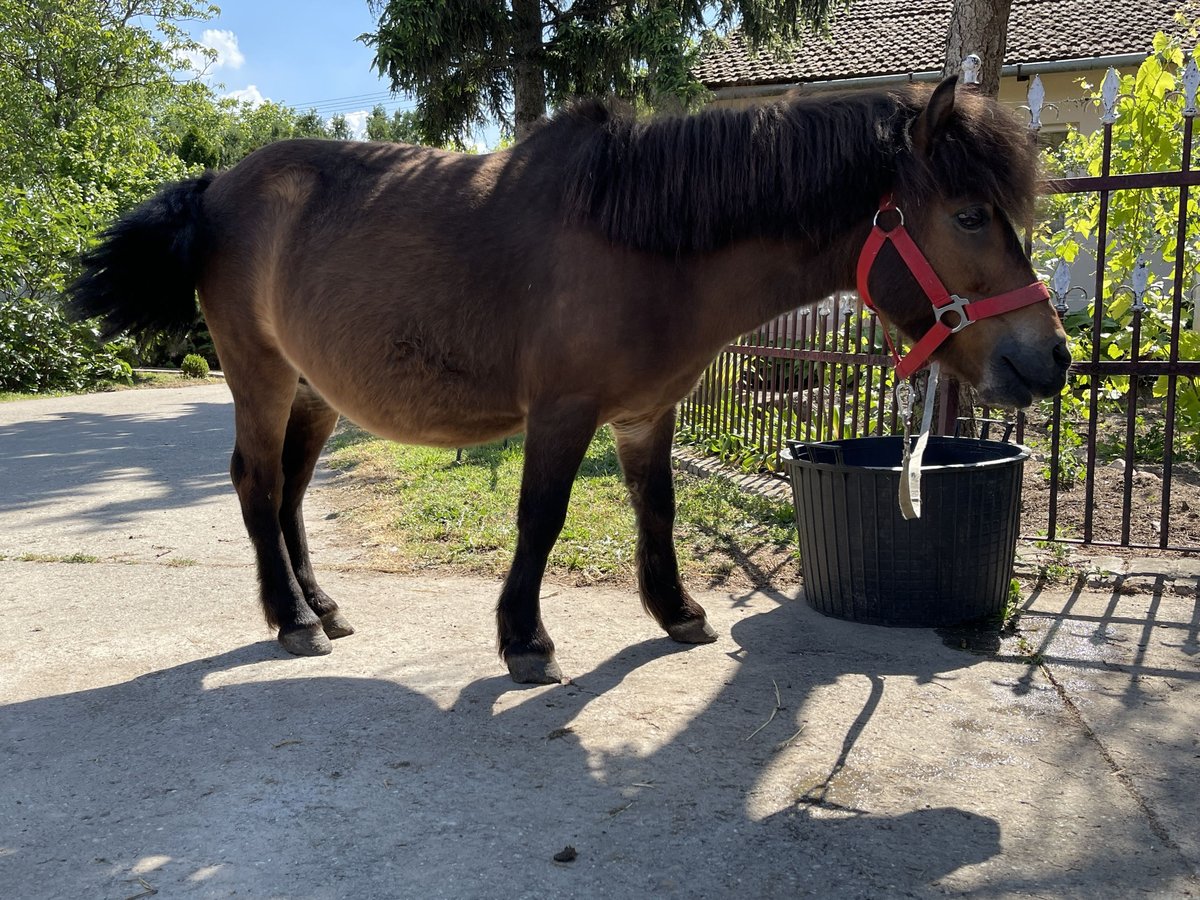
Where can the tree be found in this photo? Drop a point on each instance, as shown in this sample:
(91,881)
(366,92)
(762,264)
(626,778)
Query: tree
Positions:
(979,27)
(401,127)
(468,61)
(81,84)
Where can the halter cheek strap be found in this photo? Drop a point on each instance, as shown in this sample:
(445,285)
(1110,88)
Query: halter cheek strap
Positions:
(951,312)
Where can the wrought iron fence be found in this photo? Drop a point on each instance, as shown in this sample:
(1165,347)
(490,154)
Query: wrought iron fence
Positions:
(1114,434)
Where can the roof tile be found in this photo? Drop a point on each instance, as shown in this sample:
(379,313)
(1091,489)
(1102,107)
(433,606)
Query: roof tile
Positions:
(889,37)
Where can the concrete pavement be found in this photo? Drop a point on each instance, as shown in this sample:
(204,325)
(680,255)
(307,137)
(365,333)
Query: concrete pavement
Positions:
(153,736)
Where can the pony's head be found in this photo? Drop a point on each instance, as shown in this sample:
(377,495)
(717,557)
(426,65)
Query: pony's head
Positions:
(967,176)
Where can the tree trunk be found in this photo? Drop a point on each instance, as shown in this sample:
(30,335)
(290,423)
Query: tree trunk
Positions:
(979,27)
(529,78)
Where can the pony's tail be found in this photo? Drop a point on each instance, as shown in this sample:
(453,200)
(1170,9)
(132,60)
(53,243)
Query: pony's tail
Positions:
(142,276)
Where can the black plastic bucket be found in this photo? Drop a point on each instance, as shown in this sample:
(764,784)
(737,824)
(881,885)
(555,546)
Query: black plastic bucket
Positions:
(863,561)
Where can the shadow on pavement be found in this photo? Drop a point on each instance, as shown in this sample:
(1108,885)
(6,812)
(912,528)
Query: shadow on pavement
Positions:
(174,462)
(211,776)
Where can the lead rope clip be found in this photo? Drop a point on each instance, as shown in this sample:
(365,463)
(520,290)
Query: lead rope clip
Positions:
(910,467)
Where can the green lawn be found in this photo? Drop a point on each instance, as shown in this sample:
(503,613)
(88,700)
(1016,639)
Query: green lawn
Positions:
(419,508)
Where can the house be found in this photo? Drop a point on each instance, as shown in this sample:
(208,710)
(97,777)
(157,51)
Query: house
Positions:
(876,42)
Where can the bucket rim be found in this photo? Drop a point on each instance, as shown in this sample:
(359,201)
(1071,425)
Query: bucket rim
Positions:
(1021,454)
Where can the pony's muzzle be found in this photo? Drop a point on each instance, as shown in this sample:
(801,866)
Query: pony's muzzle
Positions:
(1020,373)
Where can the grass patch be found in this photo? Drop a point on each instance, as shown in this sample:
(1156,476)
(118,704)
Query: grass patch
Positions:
(421,507)
(180,562)
(58,558)
(140,380)
(10,396)
(1058,567)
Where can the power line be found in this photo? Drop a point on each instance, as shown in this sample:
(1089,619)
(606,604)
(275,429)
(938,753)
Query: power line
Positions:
(327,108)
(351,98)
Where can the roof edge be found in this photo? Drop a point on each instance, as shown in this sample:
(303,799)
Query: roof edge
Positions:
(1077,64)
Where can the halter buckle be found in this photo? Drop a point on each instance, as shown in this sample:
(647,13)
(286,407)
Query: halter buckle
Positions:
(958,306)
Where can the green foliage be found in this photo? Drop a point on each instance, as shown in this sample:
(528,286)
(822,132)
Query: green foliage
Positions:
(194,366)
(465,60)
(41,351)
(210,133)
(1142,225)
(402,127)
(1069,464)
(81,82)
(92,121)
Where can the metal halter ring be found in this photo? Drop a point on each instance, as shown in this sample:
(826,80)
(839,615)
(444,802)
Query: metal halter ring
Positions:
(958,306)
(897,210)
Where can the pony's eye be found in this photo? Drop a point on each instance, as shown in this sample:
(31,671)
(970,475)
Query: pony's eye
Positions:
(972,219)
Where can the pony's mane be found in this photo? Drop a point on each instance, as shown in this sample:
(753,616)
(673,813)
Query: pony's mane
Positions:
(805,167)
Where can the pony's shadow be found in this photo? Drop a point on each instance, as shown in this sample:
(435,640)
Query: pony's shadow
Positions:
(218,775)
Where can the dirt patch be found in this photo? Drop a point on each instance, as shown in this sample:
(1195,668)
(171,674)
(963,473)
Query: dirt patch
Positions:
(1112,485)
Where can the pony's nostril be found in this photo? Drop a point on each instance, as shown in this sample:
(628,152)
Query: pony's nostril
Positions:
(1062,355)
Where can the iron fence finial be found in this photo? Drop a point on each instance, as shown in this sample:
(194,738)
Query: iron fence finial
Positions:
(1037,100)
(971,66)
(1110,92)
(1191,82)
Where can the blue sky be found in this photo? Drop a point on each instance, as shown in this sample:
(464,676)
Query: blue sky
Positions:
(302,53)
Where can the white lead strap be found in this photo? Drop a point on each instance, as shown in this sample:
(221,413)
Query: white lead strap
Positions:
(910,470)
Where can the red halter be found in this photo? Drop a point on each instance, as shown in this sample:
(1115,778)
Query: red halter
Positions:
(966,311)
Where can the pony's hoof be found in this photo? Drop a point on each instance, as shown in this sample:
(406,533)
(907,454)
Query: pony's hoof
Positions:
(305,640)
(528,668)
(336,625)
(693,631)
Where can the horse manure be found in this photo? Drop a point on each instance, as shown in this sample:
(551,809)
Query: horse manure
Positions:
(566,854)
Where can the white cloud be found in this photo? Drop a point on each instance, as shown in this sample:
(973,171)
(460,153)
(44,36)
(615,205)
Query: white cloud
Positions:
(249,94)
(357,122)
(224,44)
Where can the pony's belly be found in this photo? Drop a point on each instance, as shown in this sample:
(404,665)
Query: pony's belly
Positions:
(477,430)
(427,417)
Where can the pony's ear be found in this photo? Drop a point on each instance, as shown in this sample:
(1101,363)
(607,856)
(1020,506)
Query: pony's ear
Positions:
(934,117)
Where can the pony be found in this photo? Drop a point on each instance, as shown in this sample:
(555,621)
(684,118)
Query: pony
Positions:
(586,276)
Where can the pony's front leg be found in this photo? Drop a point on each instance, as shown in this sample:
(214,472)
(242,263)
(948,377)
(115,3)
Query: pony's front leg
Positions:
(556,438)
(644,448)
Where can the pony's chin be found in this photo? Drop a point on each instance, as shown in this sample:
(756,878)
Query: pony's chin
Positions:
(1008,398)
(1006,387)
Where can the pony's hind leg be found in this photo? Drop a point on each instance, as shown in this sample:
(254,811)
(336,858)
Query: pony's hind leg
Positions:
(264,389)
(311,422)
(644,448)
(556,439)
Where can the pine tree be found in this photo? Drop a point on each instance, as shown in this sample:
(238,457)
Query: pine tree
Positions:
(470,61)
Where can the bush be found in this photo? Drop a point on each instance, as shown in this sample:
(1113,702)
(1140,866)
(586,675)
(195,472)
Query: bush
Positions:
(41,350)
(194,366)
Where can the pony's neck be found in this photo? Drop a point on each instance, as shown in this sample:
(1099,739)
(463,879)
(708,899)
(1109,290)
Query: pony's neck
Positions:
(753,281)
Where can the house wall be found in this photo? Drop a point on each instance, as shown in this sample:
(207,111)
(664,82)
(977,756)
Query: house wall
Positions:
(1065,98)
(1062,91)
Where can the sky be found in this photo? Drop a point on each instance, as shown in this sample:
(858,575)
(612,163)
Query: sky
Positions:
(301,53)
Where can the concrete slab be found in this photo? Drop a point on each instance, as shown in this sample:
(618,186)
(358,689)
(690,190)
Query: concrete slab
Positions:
(1128,665)
(154,737)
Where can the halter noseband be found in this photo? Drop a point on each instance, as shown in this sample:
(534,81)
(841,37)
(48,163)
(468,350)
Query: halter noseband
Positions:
(962,312)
